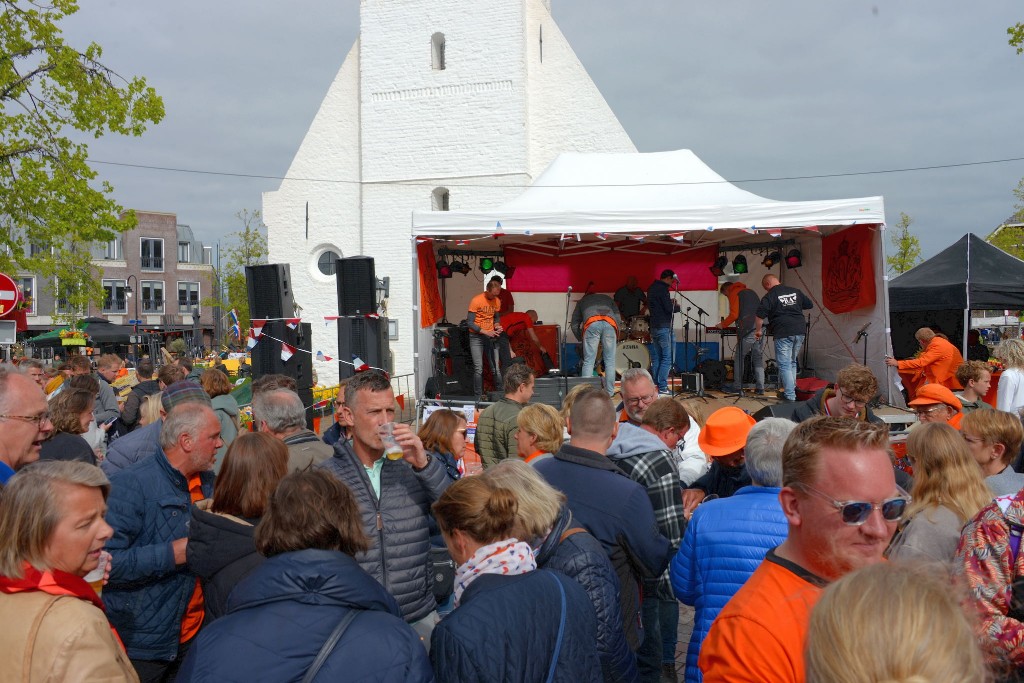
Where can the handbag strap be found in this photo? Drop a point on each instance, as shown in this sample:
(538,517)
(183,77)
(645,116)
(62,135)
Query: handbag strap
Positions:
(30,643)
(561,630)
(329,644)
(569,532)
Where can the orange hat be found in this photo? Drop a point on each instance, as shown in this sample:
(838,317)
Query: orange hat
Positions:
(935,393)
(725,432)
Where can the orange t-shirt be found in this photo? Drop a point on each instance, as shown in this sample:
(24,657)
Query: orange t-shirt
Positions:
(193,619)
(485,310)
(759,635)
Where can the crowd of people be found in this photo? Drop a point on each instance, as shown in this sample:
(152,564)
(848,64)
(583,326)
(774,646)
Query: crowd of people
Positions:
(166,542)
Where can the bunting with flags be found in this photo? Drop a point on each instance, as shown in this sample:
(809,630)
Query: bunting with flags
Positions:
(358,364)
(250,343)
(287,351)
(293,323)
(256,328)
(323,357)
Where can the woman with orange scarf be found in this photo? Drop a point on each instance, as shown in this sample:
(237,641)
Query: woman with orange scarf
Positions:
(52,534)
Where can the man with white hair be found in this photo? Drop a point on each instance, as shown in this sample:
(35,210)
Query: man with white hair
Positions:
(727,538)
(281,414)
(24,421)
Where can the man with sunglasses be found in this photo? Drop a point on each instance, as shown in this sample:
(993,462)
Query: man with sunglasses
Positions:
(24,421)
(854,388)
(841,503)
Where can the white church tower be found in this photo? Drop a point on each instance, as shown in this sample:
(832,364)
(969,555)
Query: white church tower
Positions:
(440,104)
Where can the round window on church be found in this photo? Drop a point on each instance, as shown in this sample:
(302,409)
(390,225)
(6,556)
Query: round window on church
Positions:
(328,262)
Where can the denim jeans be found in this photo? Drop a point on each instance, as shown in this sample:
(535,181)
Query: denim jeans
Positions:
(661,358)
(600,333)
(479,347)
(669,615)
(744,346)
(655,612)
(787,350)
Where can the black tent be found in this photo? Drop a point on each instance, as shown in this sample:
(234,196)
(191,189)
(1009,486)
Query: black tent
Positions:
(100,331)
(969,275)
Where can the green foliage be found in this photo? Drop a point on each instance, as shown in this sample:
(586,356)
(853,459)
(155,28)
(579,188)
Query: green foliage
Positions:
(907,252)
(249,248)
(1009,237)
(1016,34)
(177,346)
(51,93)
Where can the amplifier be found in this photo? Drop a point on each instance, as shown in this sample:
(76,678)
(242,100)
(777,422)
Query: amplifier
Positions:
(692,383)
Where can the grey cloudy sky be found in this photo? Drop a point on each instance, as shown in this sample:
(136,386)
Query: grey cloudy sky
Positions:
(757,89)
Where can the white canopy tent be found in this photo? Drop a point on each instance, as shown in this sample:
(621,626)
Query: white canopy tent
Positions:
(674,195)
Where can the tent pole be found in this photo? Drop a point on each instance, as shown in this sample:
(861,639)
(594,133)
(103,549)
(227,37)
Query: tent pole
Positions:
(415,327)
(886,321)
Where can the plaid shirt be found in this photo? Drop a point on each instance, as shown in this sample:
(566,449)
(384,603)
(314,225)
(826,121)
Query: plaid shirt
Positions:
(656,471)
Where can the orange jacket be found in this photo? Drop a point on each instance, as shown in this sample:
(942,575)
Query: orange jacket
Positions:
(759,635)
(937,363)
(733,293)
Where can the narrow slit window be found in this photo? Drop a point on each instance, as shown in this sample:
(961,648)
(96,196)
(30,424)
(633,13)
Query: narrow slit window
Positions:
(440,199)
(437,51)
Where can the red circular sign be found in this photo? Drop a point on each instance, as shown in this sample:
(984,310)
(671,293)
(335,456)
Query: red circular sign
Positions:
(10,296)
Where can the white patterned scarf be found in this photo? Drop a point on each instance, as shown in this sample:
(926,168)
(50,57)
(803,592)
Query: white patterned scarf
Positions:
(509,557)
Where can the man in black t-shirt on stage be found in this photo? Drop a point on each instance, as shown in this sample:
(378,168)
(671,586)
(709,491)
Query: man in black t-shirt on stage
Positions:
(783,308)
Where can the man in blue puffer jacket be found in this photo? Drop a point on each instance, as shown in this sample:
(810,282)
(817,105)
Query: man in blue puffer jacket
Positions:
(150,592)
(727,538)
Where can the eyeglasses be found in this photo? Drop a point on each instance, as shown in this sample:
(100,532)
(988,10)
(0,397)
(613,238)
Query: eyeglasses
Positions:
(641,399)
(845,399)
(37,419)
(855,513)
(972,439)
(929,411)
(461,431)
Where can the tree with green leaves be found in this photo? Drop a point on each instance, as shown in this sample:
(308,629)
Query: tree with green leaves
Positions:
(1010,236)
(51,95)
(249,248)
(907,252)
(1016,34)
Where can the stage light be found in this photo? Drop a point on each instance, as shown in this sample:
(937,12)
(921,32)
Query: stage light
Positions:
(509,272)
(461,267)
(500,266)
(718,270)
(739,264)
(444,270)
(771,259)
(486,264)
(793,259)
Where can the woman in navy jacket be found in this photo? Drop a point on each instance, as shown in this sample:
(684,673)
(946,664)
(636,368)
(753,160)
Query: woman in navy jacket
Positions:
(279,617)
(512,622)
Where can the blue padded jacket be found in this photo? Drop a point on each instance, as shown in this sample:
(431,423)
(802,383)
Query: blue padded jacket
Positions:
(723,545)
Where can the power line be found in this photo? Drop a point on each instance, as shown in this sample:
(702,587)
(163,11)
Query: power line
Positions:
(911,169)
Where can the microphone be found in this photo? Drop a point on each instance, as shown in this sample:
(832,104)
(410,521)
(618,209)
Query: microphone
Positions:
(589,285)
(862,332)
(569,291)
(675,278)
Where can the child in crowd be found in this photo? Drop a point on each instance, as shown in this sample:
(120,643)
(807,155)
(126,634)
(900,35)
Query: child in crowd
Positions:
(976,379)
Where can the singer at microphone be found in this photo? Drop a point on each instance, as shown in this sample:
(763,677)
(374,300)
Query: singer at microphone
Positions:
(659,302)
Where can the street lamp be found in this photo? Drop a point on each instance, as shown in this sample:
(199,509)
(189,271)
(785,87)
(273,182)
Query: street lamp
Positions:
(135,321)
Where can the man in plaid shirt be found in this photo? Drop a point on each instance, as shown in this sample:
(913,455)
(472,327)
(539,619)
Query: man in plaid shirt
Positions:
(645,455)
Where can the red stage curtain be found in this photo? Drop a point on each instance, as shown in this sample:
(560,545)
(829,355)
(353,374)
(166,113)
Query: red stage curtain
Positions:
(608,269)
(848,270)
(431,306)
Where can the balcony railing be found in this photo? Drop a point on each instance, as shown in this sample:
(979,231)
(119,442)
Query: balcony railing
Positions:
(186,305)
(152,262)
(114,306)
(153,305)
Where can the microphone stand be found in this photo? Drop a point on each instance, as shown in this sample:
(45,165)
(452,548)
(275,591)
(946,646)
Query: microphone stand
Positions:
(565,332)
(700,322)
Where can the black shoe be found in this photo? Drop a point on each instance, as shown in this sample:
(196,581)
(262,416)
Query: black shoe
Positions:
(729,389)
(758,392)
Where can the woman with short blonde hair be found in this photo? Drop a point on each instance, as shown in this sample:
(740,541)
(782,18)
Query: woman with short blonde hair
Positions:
(540,432)
(1010,392)
(994,438)
(949,490)
(52,533)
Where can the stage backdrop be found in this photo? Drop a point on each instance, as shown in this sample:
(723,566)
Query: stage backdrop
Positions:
(848,270)
(606,271)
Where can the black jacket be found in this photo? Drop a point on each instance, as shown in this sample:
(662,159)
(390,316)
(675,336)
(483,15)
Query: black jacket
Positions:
(722,481)
(67,446)
(659,303)
(130,412)
(221,552)
(815,405)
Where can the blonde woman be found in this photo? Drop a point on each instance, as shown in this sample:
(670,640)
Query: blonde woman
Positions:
(949,490)
(892,622)
(567,402)
(540,432)
(993,437)
(1010,393)
(149,412)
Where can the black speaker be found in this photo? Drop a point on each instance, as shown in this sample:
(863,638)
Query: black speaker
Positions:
(552,390)
(778,410)
(357,286)
(270,291)
(366,338)
(266,359)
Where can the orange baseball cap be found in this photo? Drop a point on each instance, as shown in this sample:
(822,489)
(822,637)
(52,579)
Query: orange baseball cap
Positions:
(935,393)
(725,431)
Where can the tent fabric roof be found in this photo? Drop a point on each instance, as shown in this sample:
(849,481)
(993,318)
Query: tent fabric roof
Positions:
(631,193)
(969,274)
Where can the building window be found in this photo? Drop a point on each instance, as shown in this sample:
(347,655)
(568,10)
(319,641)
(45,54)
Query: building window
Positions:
(183,252)
(112,249)
(188,297)
(152,296)
(328,262)
(36,249)
(152,253)
(27,285)
(439,199)
(114,300)
(437,51)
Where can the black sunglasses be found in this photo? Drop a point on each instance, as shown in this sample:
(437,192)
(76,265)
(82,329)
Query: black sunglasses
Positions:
(855,513)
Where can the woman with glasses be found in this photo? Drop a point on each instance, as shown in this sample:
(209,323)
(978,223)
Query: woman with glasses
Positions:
(948,491)
(444,438)
(71,414)
(994,438)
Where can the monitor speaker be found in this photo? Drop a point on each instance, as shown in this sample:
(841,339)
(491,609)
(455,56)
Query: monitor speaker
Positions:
(357,286)
(366,338)
(270,291)
(785,410)
(552,390)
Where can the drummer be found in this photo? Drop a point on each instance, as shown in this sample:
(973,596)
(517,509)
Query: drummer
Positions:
(631,300)
(596,323)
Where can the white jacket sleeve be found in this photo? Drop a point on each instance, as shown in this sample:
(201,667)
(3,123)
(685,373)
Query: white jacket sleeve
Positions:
(690,459)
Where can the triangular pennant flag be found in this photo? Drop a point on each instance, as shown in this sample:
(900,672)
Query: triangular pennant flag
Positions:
(601,235)
(257,328)
(330,318)
(373,316)
(358,364)
(401,401)
(813,228)
(322,357)
(498,232)
(774,232)
(321,404)
(293,323)
(749,231)
(251,341)
(287,351)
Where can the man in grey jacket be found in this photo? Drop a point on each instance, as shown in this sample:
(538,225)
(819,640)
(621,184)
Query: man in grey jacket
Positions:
(281,414)
(394,496)
(596,322)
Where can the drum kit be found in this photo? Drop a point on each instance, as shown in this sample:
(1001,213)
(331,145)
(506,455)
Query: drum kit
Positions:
(631,352)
